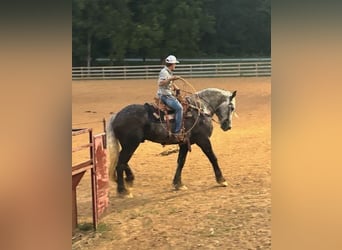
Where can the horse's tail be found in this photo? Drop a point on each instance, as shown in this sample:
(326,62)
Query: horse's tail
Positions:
(112,148)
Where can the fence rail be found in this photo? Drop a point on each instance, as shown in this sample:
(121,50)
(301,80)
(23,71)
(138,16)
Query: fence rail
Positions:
(231,69)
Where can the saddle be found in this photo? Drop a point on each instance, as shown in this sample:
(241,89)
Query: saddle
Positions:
(159,112)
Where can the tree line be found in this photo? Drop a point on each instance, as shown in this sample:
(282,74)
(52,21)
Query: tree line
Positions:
(118,29)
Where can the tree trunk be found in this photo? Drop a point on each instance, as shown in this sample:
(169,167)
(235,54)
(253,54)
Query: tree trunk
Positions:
(89,50)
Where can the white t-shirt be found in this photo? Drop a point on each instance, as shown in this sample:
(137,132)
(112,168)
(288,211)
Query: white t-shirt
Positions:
(164,74)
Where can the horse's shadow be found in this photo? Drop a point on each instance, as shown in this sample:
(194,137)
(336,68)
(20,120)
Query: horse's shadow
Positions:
(118,204)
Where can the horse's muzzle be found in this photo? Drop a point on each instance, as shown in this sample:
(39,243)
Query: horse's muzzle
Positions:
(226,125)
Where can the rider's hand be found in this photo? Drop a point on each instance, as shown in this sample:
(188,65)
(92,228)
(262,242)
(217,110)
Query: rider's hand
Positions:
(175,77)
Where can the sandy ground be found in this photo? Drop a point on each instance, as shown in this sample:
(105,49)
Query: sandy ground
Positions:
(205,216)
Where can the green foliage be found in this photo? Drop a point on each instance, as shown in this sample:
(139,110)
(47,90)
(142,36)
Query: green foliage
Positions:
(116,29)
(85,226)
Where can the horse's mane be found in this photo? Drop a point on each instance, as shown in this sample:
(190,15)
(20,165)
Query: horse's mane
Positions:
(219,94)
(211,90)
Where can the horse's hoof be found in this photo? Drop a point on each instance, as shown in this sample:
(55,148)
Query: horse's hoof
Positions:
(181,187)
(130,195)
(125,195)
(129,185)
(224,184)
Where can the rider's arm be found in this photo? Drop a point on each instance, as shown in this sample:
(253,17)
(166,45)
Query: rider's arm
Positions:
(168,80)
(175,86)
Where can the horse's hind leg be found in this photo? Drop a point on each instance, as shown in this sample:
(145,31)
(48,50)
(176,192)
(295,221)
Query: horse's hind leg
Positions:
(125,155)
(121,188)
(129,176)
(177,180)
(205,145)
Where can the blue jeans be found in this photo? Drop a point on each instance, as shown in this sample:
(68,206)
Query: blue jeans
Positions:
(173,103)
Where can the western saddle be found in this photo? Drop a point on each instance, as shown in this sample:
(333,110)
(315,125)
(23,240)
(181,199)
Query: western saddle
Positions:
(169,114)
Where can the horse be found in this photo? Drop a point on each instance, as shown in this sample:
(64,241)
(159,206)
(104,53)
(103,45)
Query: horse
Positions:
(132,125)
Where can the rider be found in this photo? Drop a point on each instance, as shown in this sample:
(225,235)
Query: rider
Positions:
(165,86)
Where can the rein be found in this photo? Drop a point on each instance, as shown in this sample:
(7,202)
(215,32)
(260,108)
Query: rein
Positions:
(212,118)
(235,114)
(204,100)
(182,79)
(201,99)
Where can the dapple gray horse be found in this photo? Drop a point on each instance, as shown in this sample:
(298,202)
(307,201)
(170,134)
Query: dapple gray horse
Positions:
(132,125)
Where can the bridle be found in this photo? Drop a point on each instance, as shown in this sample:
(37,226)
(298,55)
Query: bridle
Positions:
(230,104)
(230,107)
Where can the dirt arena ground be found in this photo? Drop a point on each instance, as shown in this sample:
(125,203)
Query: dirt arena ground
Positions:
(205,216)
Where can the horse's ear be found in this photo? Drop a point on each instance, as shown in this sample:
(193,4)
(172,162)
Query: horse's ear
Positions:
(233,94)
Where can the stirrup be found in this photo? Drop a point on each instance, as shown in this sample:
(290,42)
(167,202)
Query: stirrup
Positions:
(179,136)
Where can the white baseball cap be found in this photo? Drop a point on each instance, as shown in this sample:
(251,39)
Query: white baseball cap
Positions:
(171,59)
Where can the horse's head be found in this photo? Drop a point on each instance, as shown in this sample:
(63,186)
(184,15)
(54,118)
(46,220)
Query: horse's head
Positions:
(225,112)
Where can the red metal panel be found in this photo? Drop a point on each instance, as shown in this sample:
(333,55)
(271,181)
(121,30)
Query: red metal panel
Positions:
(102,177)
(77,174)
(97,164)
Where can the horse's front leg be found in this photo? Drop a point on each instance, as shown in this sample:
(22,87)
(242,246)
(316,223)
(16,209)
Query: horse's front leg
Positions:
(177,180)
(207,149)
